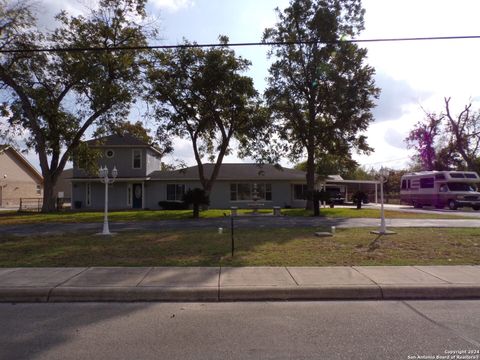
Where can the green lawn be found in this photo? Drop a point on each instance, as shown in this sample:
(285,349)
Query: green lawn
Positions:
(254,247)
(13,217)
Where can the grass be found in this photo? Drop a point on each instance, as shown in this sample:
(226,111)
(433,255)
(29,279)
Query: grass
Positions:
(254,247)
(15,218)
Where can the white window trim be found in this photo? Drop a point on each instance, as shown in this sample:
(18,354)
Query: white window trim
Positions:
(88,194)
(133,159)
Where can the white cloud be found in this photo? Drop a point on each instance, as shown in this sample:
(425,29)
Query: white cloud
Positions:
(172,5)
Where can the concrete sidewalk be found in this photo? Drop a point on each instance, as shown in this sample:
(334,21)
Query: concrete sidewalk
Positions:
(202,284)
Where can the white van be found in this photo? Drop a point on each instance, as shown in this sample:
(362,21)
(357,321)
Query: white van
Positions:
(441,188)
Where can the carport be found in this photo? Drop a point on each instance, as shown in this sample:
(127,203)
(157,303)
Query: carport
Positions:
(369,187)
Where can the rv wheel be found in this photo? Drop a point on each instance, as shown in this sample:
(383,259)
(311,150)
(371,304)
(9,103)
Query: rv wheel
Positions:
(476,207)
(452,205)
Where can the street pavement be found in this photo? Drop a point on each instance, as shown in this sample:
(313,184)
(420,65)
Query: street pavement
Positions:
(334,330)
(219,284)
(239,222)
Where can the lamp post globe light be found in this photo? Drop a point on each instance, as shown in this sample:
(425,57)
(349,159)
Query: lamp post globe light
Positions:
(103,175)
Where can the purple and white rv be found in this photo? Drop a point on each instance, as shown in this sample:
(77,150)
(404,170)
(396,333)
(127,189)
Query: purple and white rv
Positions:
(441,188)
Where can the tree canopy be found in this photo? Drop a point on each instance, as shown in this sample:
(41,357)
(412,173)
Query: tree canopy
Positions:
(328,164)
(202,95)
(444,141)
(320,90)
(54,97)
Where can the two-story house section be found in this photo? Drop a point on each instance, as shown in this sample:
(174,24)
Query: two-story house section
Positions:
(134,159)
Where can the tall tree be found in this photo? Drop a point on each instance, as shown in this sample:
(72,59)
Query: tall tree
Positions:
(445,141)
(422,138)
(202,95)
(56,96)
(319,89)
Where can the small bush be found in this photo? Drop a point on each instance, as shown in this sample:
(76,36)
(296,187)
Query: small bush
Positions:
(196,197)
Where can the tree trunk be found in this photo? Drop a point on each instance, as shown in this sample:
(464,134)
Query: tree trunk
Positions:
(196,210)
(359,203)
(49,199)
(310,178)
(316,206)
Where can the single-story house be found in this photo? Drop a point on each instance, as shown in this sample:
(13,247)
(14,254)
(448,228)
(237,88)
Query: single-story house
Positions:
(19,180)
(141,184)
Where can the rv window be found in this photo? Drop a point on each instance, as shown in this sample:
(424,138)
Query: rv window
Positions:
(439,177)
(457,175)
(404,184)
(426,183)
(460,187)
(471,176)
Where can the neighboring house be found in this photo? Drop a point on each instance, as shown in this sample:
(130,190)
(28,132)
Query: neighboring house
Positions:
(18,178)
(142,185)
(63,187)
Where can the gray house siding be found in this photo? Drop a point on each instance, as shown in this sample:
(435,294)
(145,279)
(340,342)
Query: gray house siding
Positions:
(157,191)
(220,195)
(117,196)
(122,159)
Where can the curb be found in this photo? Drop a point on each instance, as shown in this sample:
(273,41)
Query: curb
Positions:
(127,294)
(240,293)
(252,293)
(24,294)
(431,292)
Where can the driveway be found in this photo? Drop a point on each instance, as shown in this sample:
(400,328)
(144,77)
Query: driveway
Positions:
(463,212)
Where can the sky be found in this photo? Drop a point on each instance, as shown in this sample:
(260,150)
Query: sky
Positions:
(413,76)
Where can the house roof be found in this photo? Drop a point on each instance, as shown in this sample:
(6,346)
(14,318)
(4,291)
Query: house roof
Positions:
(239,172)
(116,140)
(21,159)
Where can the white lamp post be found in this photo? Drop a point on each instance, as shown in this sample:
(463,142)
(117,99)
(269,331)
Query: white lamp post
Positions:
(383,229)
(103,174)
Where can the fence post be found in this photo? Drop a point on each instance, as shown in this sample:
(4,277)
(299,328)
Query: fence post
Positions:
(20,209)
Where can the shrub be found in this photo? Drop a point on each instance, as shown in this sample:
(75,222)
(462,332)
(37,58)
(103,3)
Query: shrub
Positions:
(196,197)
(358,198)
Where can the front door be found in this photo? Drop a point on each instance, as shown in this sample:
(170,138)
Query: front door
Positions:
(137,196)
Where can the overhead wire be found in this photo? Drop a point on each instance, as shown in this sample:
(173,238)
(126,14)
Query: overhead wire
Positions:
(240,44)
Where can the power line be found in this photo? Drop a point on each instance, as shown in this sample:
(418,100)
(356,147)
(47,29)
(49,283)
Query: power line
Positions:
(386,161)
(242,44)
